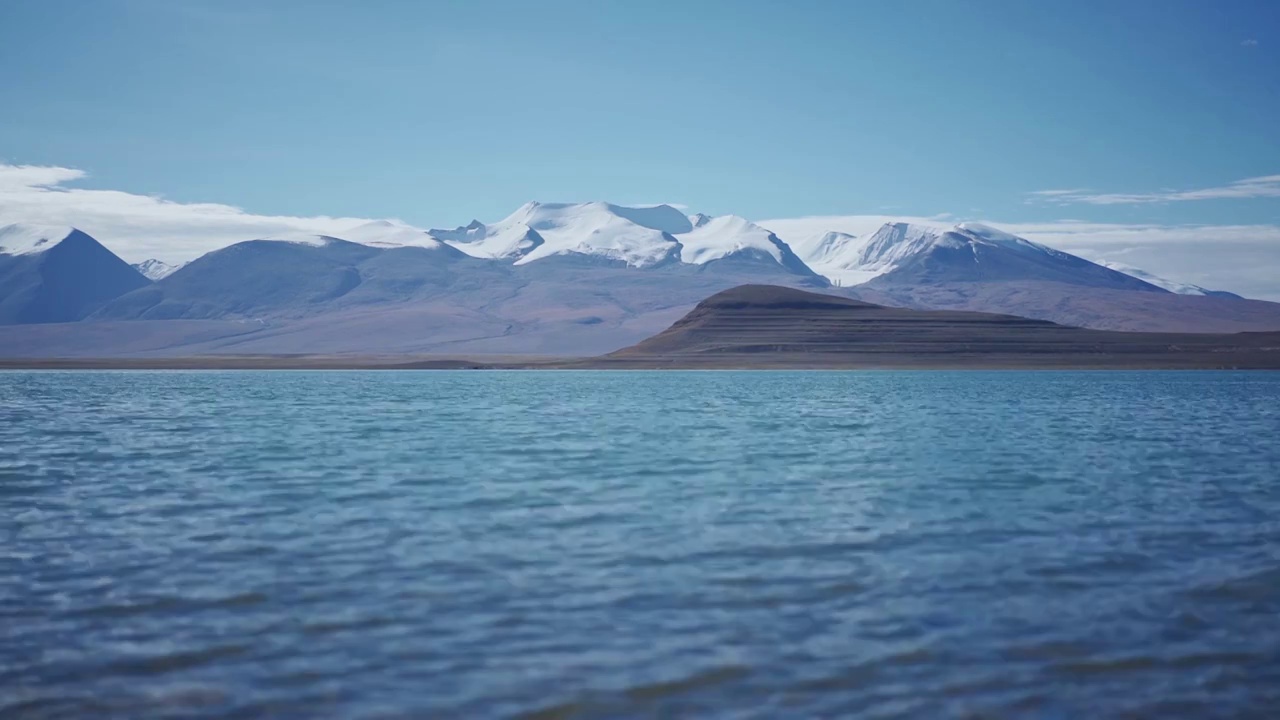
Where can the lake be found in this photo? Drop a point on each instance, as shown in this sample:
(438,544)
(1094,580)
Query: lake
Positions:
(662,544)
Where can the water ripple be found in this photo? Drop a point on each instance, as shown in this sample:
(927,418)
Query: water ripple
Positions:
(628,545)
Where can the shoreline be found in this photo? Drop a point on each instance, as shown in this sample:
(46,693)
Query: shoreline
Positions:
(884,362)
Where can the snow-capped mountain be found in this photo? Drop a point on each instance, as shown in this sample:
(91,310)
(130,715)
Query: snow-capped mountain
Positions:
(638,237)
(503,241)
(911,253)
(830,255)
(1172,286)
(390,233)
(57,274)
(156,269)
(732,237)
(849,260)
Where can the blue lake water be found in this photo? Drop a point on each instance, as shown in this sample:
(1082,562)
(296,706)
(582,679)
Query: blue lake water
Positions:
(661,544)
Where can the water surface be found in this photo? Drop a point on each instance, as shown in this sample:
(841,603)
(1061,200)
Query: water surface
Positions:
(613,544)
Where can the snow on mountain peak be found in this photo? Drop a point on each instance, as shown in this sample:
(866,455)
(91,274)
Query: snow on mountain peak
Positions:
(826,252)
(540,230)
(719,237)
(156,269)
(986,233)
(29,238)
(507,239)
(637,236)
(848,259)
(895,241)
(471,232)
(386,233)
(1173,286)
(658,217)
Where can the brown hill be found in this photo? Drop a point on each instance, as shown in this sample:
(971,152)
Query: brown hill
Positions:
(773,327)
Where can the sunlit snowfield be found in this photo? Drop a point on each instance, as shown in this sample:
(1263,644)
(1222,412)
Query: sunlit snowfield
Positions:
(562,545)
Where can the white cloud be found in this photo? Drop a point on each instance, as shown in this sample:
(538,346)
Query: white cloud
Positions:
(1244,259)
(1250,42)
(1267,186)
(138,227)
(19,177)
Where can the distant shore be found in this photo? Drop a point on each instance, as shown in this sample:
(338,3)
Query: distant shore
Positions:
(262,362)
(730,362)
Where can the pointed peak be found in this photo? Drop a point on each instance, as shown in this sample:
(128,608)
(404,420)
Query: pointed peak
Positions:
(155,269)
(28,238)
(472,231)
(893,233)
(506,240)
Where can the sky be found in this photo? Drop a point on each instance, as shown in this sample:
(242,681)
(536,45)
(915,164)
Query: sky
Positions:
(1133,114)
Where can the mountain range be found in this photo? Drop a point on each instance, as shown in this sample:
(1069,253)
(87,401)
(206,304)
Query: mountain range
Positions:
(551,278)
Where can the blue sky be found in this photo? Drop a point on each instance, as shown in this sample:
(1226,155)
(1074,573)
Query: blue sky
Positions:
(439,112)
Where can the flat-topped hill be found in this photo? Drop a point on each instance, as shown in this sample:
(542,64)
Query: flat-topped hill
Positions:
(770,326)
